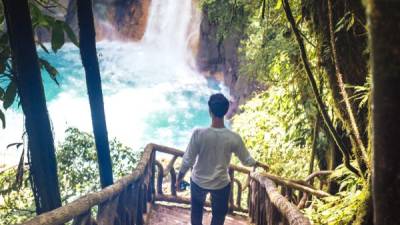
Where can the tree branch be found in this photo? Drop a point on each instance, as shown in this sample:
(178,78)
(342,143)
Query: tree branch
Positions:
(314,144)
(321,106)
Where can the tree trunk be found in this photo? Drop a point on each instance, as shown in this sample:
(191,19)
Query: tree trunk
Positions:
(384,18)
(87,44)
(321,105)
(350,54)
(43,164)
(314,144)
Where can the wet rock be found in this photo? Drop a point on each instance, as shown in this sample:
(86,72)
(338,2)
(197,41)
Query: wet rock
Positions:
(114,19)
(219,58)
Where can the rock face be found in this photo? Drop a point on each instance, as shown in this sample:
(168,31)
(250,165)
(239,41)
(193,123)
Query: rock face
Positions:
(115,19)
(128,18)
(219,58)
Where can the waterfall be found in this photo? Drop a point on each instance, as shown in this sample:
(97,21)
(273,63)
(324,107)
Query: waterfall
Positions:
(172,27)
(152,90)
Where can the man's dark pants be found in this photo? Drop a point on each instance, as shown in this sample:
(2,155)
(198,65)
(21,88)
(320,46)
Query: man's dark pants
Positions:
(219,203)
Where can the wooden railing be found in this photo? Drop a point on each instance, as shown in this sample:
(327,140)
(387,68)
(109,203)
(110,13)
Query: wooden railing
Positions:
(124,202)
(129,200)
(271,204)
(235,203)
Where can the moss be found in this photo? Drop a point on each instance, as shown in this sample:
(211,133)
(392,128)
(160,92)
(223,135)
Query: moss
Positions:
(350,206)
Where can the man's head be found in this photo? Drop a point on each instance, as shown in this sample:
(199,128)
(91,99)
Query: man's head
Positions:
(218,105)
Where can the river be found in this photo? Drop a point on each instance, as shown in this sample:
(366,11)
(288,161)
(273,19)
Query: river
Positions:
(152,90)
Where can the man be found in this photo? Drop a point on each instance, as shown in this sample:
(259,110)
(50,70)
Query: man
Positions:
(210,150)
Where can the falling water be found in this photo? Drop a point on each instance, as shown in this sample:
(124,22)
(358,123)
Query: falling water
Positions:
(170,28)
(152,91)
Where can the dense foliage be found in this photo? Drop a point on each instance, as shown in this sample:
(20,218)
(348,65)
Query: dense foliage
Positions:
(277,131)
(348,206)
(277,124)
(77,171)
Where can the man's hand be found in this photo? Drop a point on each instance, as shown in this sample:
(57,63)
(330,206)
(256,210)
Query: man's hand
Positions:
(178,185)
(262,165)
(179,180)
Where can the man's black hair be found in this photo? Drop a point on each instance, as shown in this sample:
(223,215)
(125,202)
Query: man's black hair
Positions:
(218,104)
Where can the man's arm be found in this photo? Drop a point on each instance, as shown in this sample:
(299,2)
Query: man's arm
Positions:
(188,158)
(243,154)
(245,158)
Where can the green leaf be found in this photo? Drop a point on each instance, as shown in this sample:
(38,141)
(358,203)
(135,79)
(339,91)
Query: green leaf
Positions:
(39,19)
(278,5)
(4,39)
(70,34)
(3,118)
(1,93)
(44,47)
(50,69)
(57,36)
(298,19)
(350,23)
(36,14)
(342,22)
(20,171)
(10,94)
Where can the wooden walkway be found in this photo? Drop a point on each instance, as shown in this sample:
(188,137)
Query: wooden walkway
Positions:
(142,198)
(174,215)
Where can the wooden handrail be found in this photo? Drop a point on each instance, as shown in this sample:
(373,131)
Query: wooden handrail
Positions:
(80,209)
(82,205)
(295,185)
(268,206)
(128,200)
(168,150)
(179,153)
(235,201)
(318,174)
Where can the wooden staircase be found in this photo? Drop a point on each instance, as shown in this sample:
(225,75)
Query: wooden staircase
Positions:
(142,198)
(175,215)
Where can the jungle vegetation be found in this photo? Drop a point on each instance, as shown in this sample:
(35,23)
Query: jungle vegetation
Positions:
(313,58)
(319,61)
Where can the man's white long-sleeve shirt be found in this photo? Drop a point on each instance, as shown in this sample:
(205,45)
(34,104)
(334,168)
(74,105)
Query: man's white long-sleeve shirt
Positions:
(210,151)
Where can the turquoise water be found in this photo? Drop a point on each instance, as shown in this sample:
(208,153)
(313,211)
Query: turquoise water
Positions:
(148,98)
(152,92)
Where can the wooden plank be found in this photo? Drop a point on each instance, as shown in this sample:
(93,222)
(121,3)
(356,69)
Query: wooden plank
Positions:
(183,200)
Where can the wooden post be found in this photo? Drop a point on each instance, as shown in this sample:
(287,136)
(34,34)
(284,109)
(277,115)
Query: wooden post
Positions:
(173,181)
(239,193)
(160,177)
(139,209)
(231,201)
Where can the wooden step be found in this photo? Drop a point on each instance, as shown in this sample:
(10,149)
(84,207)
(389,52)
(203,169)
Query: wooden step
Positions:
(175,215)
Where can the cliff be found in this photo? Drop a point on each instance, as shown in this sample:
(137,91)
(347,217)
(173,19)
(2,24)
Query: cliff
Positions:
(220,59)
(127,20)
(116,19)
